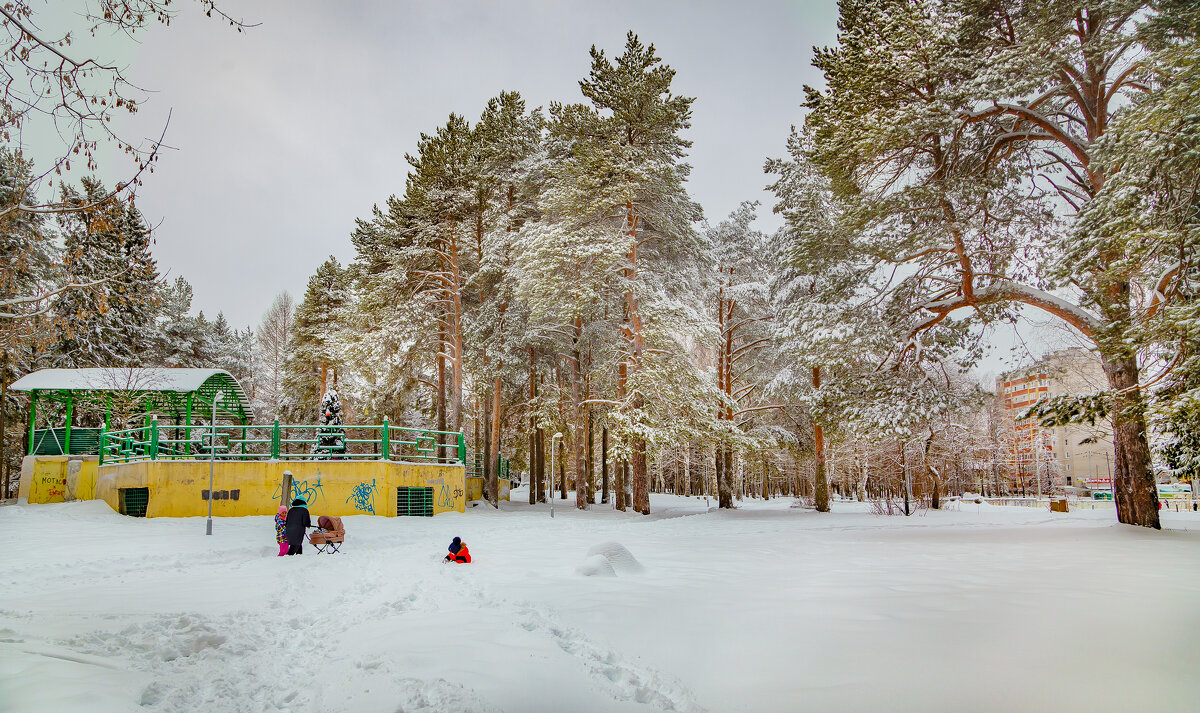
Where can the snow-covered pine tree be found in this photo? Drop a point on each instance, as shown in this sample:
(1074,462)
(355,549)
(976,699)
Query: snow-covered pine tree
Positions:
(741,298)
(27,258)
(315,349)
(965,134)
(182,339)
(105,242)
(506,141)
(623,171)
(330,440)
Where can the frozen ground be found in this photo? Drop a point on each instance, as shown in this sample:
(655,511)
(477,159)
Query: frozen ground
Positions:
(763,609)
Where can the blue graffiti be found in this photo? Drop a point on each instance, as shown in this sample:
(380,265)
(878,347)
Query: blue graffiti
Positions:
(304,490)
(364,497)
(448,499)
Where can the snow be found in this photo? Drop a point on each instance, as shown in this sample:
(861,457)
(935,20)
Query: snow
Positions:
(117,378)
(766,608)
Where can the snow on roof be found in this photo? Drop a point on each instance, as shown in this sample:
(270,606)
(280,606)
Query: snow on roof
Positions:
(117,379)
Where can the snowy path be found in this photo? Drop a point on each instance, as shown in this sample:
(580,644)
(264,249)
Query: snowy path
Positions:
(763,609)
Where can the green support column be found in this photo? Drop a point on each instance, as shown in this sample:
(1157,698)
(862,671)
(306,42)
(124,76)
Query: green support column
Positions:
(70,408)
(108,412)
(385,442)
(103,444)
(275,441)
(32,417)
(462,448)
(154,438)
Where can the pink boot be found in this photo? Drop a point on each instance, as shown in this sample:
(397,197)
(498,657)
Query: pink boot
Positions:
(283,548)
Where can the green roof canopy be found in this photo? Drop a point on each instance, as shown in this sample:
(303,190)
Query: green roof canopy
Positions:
(174,392)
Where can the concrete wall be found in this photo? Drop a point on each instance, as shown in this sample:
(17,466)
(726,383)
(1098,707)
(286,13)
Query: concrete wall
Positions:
(475,489)
(178,488)
(56,479)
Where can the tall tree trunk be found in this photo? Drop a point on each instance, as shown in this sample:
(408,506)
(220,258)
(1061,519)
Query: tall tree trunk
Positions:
(820,481)
(1134,489)
(590,452)
(544,488)
(604,464)
(619,475)
(562,469)
(488,466)
(3,429)
(641,489)
(494,441)
(578,437)
(533,477)
(935,501)
(441,390)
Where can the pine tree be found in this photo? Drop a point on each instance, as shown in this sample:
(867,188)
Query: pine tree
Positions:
(618,170)
(963,135)
(27,259)
(315,347)
(330,439)
(182,338)
(107,242)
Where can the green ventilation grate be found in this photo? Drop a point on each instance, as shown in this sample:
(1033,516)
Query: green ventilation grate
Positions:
(416,502)
(134,501)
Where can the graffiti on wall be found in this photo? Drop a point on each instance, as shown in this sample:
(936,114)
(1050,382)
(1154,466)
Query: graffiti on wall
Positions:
(448,498)
(363,497)
(310,491)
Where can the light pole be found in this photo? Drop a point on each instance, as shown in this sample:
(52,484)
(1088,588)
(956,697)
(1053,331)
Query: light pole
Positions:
(212,454)
(550,485)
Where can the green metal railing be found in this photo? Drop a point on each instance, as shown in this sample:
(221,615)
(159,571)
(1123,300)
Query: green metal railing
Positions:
(281,442)
(474,465)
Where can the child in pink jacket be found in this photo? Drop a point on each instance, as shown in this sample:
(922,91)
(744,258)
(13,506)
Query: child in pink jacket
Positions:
(280,521)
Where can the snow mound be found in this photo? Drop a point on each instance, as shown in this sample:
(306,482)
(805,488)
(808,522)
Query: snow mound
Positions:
(619,559)
(968,503)
(596,566)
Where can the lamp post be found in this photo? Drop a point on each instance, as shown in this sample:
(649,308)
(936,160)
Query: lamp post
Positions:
(550,485)
(212,454)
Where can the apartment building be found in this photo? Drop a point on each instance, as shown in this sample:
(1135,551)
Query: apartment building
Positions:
(1075,456)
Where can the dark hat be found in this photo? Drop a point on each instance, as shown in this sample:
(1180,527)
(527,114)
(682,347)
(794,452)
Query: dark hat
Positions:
(455,546)
(298,501)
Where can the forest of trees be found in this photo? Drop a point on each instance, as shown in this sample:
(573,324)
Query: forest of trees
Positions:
(544,270)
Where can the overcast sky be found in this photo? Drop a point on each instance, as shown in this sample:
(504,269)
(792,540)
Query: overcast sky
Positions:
(282,135)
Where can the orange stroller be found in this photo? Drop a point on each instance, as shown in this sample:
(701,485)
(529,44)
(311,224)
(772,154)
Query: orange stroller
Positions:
(329,535)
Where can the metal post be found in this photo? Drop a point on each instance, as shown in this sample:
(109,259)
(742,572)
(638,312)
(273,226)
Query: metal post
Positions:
(153,437)
(212,453)
(385,442)
(70,411)
(32,418)
(275,442)
(553,455)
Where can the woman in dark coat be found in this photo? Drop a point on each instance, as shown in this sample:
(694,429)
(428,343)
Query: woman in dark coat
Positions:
(297,522)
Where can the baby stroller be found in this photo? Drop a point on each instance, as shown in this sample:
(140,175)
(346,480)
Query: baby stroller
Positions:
(329,535)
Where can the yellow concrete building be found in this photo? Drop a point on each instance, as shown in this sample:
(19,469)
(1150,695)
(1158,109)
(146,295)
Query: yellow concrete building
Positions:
(158,464)
(179,488)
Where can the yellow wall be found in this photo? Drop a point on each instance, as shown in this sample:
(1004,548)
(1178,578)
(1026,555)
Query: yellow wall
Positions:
(55,479)
(330,487)
(475,489)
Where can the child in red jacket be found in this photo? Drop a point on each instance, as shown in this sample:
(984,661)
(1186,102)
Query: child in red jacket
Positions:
(458,552)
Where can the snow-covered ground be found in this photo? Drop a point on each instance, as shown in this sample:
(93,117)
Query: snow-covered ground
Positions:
(766,608)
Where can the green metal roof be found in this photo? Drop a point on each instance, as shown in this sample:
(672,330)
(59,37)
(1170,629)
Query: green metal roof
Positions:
(161,390)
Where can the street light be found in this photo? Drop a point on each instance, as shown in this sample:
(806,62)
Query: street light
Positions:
(550,485)
(212,453)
